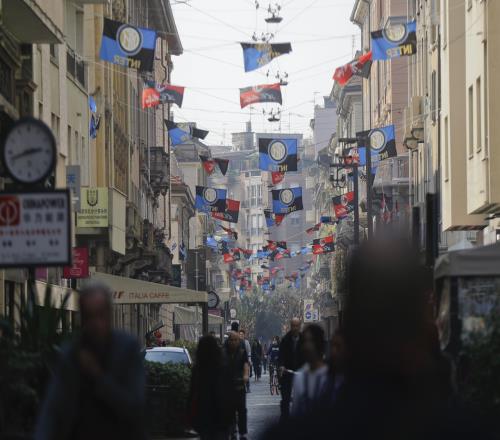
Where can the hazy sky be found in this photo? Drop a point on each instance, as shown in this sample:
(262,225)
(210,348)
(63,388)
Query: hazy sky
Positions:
(211,67)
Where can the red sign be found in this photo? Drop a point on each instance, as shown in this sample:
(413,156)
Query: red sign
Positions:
(80,264)
(10,211)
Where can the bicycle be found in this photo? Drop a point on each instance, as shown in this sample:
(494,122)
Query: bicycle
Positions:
(274,383)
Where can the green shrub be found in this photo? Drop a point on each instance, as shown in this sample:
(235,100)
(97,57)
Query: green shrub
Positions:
(190,345)
(168,394)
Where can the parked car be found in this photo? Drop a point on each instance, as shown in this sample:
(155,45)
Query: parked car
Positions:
(163,355)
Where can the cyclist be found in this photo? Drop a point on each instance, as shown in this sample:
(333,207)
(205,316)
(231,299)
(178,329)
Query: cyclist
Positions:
(273,355)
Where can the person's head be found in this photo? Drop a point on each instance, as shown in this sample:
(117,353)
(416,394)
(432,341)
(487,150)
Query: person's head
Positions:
(313,344)
(208,353)
(96,313)
(235,326)
(242,334)
(276,340)
(386,316)
(233,341)
(295,326)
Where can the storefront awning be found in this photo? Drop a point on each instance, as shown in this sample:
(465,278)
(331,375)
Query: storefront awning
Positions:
(29,23)
(187,316)
(131,291)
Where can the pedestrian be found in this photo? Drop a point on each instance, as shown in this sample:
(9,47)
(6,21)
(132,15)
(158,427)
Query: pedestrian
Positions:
(310,380)
(97,391)
(248,350)
(290,360)
(264,357)
(257,359)
(211,413)
(336,375)
(238,372)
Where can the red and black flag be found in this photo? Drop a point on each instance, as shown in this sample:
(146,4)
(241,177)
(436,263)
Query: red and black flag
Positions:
(232,212)
(233,255)
(343,204)
(261,93)
(272,245)
(313,228)
(231,232)
(273,219)
(277,177)
(223,165)
(208,164)
(323,245)
(358,67)
(155,94)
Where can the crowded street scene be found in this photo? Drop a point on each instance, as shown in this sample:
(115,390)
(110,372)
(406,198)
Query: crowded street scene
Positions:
(249,219)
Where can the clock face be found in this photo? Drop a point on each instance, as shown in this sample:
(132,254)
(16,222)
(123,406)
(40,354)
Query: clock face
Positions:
(213,300)
(29,152)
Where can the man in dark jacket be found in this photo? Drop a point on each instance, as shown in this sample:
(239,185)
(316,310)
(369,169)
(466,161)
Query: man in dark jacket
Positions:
(290,359)
(97,391)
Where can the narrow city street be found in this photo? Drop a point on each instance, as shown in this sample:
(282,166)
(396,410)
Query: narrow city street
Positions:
(263,409)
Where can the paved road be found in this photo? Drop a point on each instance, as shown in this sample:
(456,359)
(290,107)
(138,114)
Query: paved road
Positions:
(263,408)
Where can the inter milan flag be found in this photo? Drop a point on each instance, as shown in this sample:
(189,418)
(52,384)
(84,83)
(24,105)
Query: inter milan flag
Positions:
(181,136)
(287,200)
(343,205)
(382,142)
(262,93)
(208,164)
(231,213)
(223,165)
(277,177)
(328,220)
(323,245)
(127,45)
(313,228)
(396,40)
(278,154)
(210,199)
(155,94)
(359,67)
(256,55)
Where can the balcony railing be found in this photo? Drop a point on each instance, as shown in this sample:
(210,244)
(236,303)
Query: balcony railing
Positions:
(160,170)
(76,68)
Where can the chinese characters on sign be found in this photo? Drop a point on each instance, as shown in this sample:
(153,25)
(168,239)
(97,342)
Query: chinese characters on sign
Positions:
(93,208)
(35,229)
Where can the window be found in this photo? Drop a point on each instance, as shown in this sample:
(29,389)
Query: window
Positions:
(471,121)
(479,111)
(446,151)
(445,23)
(71,154)
(54,53)
(54,119)
(434,97)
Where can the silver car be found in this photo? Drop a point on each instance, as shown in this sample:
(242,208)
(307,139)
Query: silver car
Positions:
(163,355)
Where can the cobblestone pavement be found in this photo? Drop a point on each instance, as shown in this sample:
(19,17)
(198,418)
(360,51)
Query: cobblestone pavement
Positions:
(263,409)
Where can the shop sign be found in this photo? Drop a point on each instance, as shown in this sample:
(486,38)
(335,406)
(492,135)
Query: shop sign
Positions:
(94,208)
(73,184)
(35,228)
(80,264)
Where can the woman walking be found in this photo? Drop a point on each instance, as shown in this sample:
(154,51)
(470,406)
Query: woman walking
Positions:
(210,409)
(257,359)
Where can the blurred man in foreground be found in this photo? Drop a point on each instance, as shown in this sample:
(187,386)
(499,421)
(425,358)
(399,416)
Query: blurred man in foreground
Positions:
(97,391)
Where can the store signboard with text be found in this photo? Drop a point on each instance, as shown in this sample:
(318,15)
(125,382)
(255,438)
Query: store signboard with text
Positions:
(35,228)
(79,265)
(94,208)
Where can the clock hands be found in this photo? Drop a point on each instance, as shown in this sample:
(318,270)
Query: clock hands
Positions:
(26,152)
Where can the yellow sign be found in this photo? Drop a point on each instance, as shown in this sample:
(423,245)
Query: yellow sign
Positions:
(94,208)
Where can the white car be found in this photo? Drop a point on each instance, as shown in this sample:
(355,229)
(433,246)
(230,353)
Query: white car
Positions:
(163,355)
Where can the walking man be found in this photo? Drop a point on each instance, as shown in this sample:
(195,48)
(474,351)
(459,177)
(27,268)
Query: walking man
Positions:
(97,391)
(248,350)
(238,369)
(290,360)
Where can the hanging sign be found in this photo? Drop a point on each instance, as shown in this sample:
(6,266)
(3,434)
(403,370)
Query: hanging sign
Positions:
(35,228)
(80,264)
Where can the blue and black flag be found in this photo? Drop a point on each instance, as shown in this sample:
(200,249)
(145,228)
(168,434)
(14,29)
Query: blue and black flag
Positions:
(181,136)
(256,55)
(278,154)
(127,45)
(382,142)
(394,41)
(210,199)
(287,200)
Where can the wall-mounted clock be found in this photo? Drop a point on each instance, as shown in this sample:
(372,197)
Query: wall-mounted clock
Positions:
(213,300)
(29,152)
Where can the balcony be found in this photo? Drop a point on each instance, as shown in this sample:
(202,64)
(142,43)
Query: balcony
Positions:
(29,23)
(393,172)
(76,68)
(159,170)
